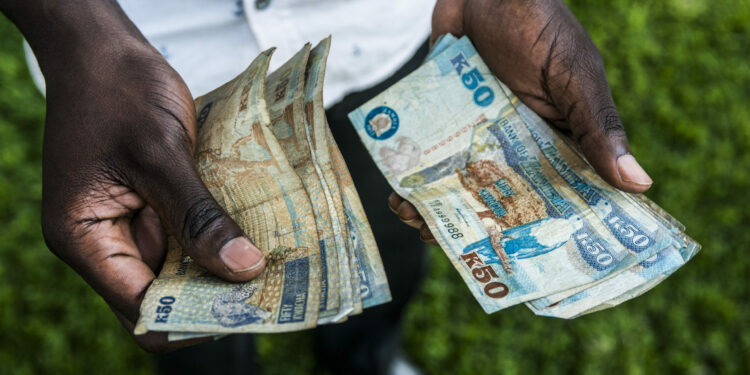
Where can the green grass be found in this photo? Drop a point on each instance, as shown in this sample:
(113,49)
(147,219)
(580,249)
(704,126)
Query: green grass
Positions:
(680,75)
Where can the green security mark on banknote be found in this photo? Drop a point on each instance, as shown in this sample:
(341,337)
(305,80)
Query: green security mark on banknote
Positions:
(284,96)
(246,171)
(373,284)
(499,208)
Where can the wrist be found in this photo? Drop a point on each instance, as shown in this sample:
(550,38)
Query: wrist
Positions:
(60,31)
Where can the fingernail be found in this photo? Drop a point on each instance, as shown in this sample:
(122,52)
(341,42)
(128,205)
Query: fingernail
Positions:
(391,201)
(631,171)
(240,255)
(413,222)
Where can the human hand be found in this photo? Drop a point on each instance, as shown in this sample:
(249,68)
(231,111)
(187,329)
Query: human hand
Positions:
(538,48)
(118,163)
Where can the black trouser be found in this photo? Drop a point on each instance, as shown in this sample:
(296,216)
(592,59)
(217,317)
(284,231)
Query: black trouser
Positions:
(365,343)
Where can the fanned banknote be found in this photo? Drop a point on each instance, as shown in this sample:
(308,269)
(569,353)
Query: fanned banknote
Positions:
(373,285)
(517,210)
(285,95)
(350,301)
(246,170)
(266,155)
(633,226)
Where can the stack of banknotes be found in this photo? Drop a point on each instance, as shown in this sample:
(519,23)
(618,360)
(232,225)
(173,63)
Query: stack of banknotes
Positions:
(266,154)
(513,204)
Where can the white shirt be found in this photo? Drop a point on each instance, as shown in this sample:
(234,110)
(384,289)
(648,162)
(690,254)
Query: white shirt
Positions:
(209,42)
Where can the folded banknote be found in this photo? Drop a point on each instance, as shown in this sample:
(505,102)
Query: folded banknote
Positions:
(265,153)
(515,207)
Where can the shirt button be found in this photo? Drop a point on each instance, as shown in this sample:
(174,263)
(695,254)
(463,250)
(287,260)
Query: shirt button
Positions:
(262,4)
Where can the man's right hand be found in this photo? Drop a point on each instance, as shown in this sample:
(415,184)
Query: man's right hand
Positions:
(117,163)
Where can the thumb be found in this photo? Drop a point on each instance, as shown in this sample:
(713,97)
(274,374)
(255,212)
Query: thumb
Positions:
(575,79)
(597,128)
(200,225)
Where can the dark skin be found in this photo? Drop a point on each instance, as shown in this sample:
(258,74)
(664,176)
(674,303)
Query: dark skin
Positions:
(118,172)
(547,59)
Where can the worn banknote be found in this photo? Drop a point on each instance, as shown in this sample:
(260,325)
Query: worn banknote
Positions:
(652,270)
(634,227)
(372,283)
(350,303)
(624,218)
(247,172)
(285,99)
(445,138)
(633,219)
(519,213)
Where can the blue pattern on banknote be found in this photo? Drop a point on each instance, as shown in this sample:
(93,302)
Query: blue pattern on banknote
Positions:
(323,277)
(497,208)
(461,50)
(521,242)
(485,250)
(529,168)
(629,232)
(294,293)
(203,115)
(362,263)
(593,250)
(436,171)
(483,96)
(504,187)
(230,309)
(381,123)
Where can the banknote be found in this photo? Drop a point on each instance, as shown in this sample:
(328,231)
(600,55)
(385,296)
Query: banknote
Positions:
(316,127)
(615,212)
(687,253)
(642,211)
(247,172)
(625,219)
(634,227)
(285,99)
(582,179)
(536,124)
(652,270)
(441,43)
(448,139)
(177,336)
(373,284)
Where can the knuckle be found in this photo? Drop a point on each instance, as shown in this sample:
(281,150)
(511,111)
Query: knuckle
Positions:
(152,145)
(55,232)
(52,235)
(609,122)
(155,138)
(202,216)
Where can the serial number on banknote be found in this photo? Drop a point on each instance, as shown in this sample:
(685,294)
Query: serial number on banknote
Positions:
(451,228)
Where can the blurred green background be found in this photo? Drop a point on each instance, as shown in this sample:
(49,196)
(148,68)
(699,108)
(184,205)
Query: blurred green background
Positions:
(680,76)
